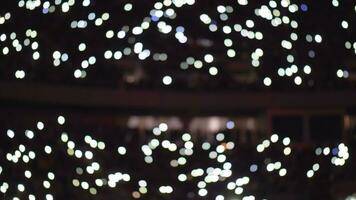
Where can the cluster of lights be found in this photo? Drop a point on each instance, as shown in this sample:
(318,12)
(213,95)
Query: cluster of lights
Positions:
(4,18)
(339,157)
(342,73)
(59,57)
(161,18)
(218,151)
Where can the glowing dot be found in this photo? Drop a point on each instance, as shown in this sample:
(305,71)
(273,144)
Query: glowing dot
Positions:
(243,2)
(340,73)
(122,150)
(163,127)
(205,19)
(345,24)
(48,149)
(128,7)
(227,29)
(267,81)
(118,55)
(105,16)
(121,34)
(282,172)
(274,138)
(82,47)
(316,167)
(21,187)
(304,7)
(182,177)
(250,23)
(28,174)
(326,151)
(287,151)
(136,195)
(167,80)
(92,60)
(307,69)
(310,173)
(281,72)
(108,54)
(213,71)
(203,192)
(36,55)
(56,55)
(138,30)
(20,74)
(61,120)
(346,74)
(318,38)
(77,73)
(208,58)
(286,141)
(49,197)
(298,80)
(231,53)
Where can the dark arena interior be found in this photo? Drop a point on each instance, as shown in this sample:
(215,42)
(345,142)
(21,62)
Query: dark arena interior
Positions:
(177,99)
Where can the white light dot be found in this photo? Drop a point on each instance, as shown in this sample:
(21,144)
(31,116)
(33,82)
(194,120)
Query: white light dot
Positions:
(20,74)
(287,151)
(118,55)
(40,125)
(281,72)
(274,138)
(121,34)
(128,7)
(167,80)
(21,187)
(344,24)
(267,81)
(82,47)
(108,54)
(61,120)
(286,141)
(250,23)
(208,58)
(77,73)
(318,38)
(307,69)
(122,150)
(340,73)
(36,55)
(282,172)
(49,197)
(298,80)
(310,173)
(28,174)
(213,71)
(48,149)
(138,30)
(163,127)
(203,192)
(231,53)
(110,34)
(56,55)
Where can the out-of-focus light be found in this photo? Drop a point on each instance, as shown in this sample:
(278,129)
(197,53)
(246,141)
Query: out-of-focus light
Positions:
(61,120)
(267,81)
(213,71)
(167,80)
